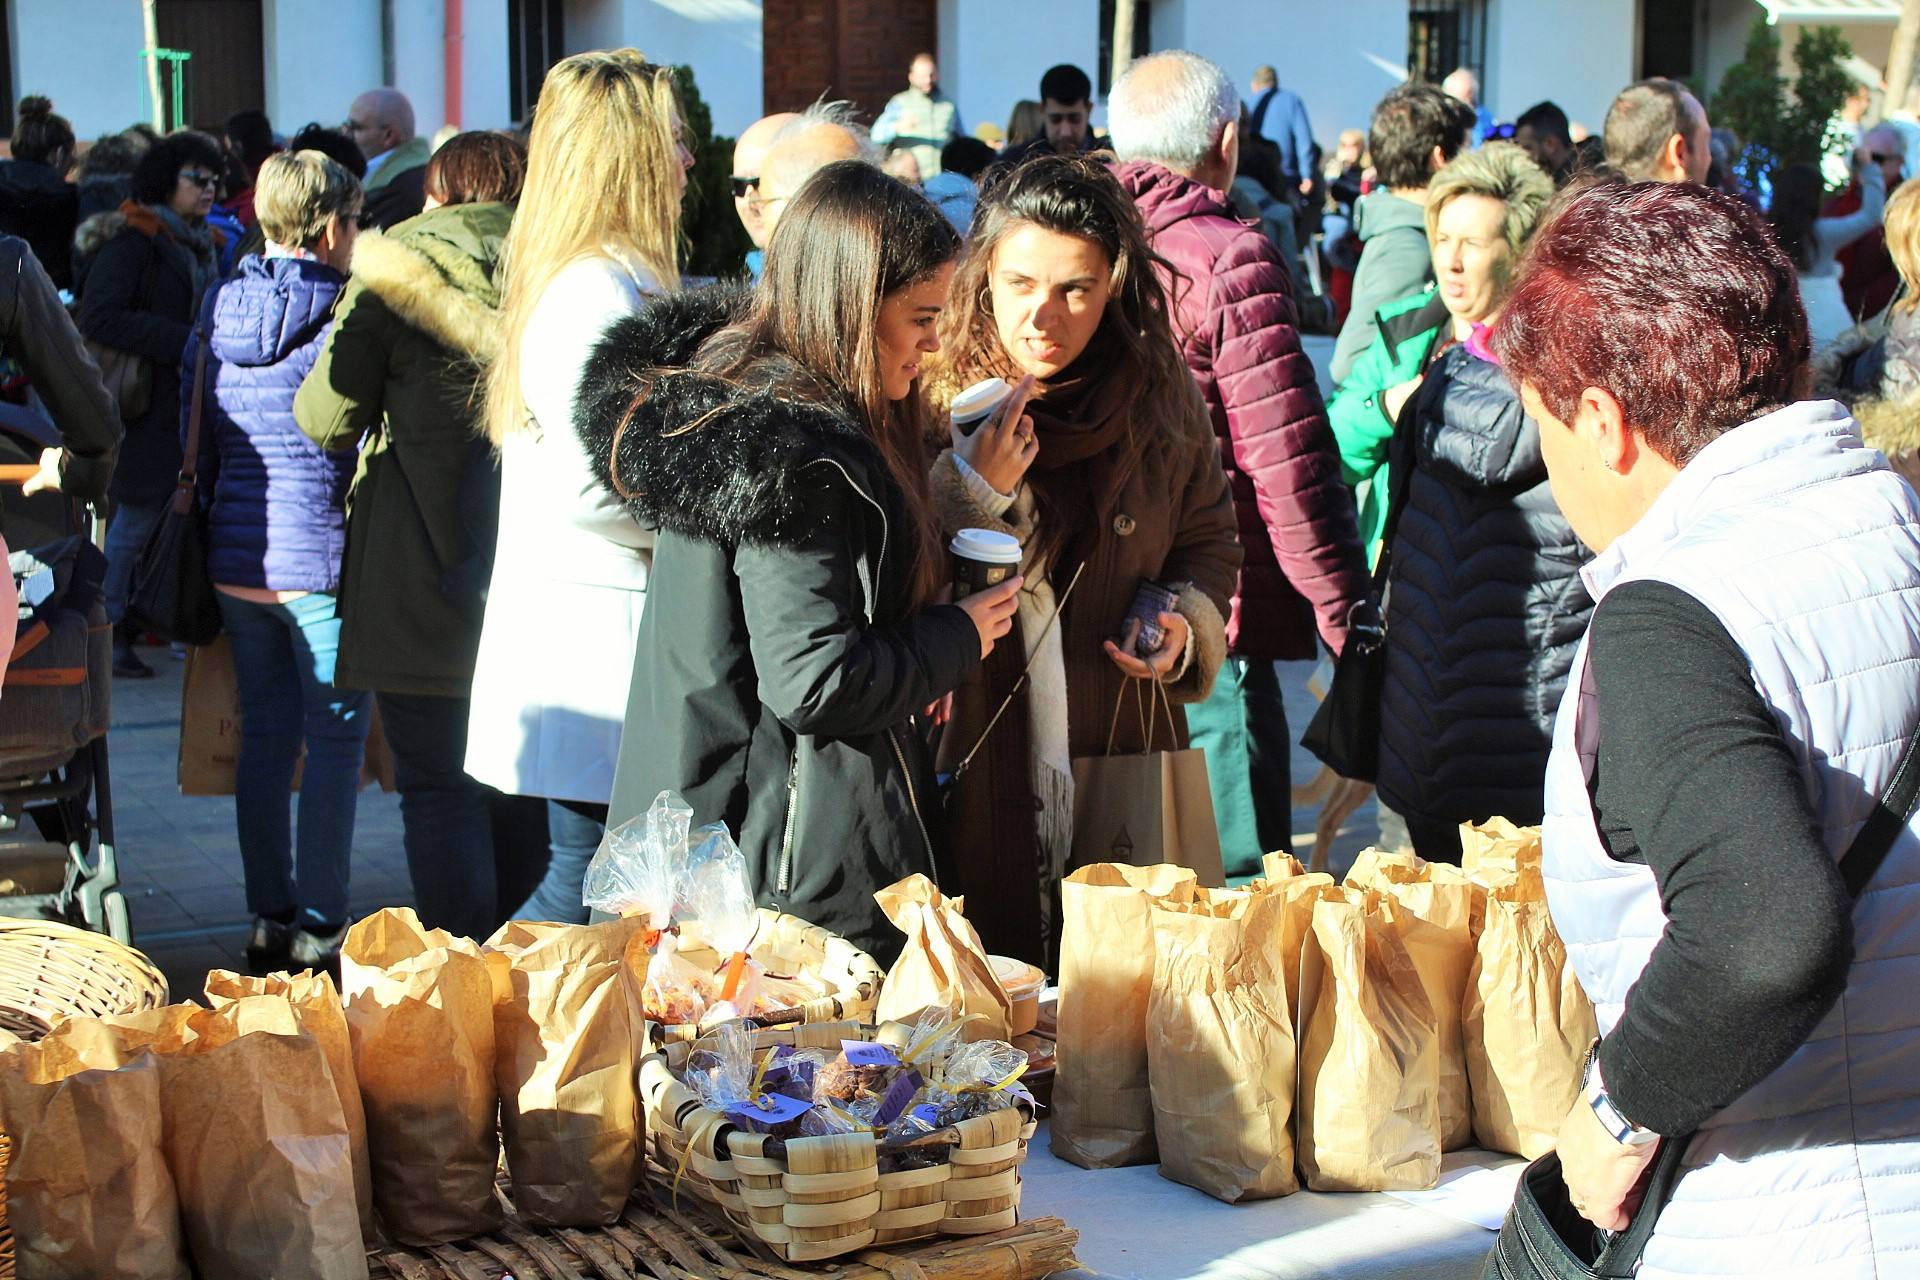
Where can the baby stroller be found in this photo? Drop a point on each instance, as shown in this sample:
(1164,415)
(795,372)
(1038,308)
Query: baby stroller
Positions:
(57,854)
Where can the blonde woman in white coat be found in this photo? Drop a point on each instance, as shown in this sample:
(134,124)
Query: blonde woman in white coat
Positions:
(593,237)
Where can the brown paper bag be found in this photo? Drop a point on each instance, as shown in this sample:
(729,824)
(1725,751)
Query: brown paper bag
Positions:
(420,1009)
(1495,851)
(1300,889)
(317,1007)
(1437,927)
(564,1065)
(1527,1023)
(1102,1104)
(210,728)
(944,965)
(1369,1102)
(1220,1049)
(1147,809)
(113,1215)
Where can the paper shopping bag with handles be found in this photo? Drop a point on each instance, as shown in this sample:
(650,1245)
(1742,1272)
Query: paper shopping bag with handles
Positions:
(1526,1021)
(1369,1100)
(1102,1105)
(420,1009)
(112,1215)
(943,966)
(1150,808)
(316,1005)
(1220,1046)
(1437,927)
(564,1065)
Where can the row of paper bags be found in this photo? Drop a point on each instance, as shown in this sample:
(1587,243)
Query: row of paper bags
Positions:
(1344,1035)
(260,1136)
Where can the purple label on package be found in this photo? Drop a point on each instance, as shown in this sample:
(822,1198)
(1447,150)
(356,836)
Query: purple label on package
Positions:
(895,1101)
(927,1114)
(1019,1091)
(769,1109)
(862,1053)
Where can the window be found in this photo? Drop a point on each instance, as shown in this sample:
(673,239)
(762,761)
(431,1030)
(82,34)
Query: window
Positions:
(533,45)
(1142,41)
(1667,39)
(1444,34)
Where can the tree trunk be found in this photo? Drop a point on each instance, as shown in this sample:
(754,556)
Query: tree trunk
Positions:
(1906,36)
(151,23)
(1123,36)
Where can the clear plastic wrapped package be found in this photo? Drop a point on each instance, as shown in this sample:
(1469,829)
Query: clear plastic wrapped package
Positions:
(715,891)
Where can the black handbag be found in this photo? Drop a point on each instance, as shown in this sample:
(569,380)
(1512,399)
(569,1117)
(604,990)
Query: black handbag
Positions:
(172,594)
(1544,1237)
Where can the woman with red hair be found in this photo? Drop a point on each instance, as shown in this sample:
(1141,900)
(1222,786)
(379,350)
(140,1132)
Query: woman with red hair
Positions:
(1740,707)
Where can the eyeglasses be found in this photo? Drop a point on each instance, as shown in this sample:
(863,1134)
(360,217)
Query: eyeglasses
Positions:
(201,180)
(742,186)
(1879,158)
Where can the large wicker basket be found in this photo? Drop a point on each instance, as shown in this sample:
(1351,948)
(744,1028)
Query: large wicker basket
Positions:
(844,980)
(808,1199)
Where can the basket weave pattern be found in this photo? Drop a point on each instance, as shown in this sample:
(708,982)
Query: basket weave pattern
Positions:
(814,1198)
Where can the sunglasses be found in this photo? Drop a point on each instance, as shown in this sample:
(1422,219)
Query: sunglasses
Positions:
(1878,158)
(201,180)
(742,186)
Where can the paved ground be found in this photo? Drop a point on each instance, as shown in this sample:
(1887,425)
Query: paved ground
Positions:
(181,867)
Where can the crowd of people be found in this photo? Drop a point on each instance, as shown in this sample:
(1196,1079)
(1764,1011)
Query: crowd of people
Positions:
(472,456)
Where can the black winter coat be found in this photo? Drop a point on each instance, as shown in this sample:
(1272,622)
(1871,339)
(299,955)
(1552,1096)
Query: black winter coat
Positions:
(780,662)
(1486,604)
(42,208)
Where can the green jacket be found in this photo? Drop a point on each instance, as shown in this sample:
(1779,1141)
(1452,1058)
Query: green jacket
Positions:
(1401,348)
(397,380)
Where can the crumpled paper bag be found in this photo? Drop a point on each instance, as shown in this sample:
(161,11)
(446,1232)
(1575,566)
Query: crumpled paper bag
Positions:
(1220,1046)
(1102,1102)
(1527,1023)
(1437,927)
(111,1216)
(1283,874)
(1369,1101)
(943,965)
(564,1066)
(316,1005)
(420,1010)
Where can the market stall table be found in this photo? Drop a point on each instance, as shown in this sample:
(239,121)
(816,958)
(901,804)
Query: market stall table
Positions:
(1136,1225)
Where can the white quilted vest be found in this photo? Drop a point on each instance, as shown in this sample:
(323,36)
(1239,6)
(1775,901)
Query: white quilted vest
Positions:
(1807,549)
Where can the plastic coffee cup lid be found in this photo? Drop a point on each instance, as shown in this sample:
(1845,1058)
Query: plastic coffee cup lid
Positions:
(986,546)
(980,399)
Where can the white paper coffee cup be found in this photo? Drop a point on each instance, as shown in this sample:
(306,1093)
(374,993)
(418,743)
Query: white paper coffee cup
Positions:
(982,558)
(971,407)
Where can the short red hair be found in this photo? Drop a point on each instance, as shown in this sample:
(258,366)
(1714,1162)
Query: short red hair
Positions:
(1672,297)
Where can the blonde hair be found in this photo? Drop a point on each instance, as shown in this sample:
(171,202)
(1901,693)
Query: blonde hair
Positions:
(299,192)
(601,165)
(1499,171)
(1903,241)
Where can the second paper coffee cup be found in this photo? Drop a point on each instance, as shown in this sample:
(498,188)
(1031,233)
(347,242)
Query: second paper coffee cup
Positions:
(982,558)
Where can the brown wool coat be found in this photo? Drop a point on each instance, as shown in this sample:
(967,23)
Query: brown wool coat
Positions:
(1174,522)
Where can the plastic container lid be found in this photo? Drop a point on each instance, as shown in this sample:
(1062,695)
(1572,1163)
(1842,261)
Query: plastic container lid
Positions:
(986,545)
(980,399)
(1019,979)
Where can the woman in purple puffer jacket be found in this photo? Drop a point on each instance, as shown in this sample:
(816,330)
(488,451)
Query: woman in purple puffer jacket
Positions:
(276,517)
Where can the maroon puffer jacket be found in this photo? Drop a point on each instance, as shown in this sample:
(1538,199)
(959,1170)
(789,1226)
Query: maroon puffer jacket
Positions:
(1234,316)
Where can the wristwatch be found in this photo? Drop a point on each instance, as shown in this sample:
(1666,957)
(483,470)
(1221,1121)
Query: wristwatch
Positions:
(1594,1091)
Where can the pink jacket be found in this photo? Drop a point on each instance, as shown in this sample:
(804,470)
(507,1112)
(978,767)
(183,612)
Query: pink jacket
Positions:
(1234,317)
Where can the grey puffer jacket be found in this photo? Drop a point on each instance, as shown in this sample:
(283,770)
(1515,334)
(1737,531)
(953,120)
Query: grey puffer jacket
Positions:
(1485,608)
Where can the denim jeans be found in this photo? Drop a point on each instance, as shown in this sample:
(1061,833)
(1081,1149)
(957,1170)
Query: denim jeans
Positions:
(445,817)
(127,531)
(283,658)
(1243,727)
(574,830)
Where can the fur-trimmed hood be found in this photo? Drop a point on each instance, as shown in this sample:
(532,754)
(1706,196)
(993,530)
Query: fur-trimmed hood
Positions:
(436,272)
(729,460)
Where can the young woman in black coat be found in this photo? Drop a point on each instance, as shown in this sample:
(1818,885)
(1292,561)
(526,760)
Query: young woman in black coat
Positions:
(792,630)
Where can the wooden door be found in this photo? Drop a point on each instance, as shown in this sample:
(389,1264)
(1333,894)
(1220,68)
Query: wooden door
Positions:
(228,70)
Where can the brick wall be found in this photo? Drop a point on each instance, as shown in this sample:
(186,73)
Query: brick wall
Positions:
(855,49)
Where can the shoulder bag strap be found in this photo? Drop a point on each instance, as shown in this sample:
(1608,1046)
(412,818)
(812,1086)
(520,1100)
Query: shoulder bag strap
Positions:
(1863,858)
(183,495)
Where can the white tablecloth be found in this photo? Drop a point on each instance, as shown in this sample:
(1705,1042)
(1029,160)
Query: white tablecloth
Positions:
(1136,1225)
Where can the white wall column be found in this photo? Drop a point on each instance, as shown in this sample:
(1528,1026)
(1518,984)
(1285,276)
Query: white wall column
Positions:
(85,55)
(320,55)
(993,52)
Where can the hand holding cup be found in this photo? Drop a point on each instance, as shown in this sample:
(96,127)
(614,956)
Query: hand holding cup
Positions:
(1003,447)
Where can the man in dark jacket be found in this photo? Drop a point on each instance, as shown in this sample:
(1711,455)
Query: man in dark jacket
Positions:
(1066,104)
(1175,128)
(380,123)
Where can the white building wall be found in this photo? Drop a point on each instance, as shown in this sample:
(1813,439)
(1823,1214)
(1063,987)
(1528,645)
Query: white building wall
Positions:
(485,101)
(320,55)
(83,54)
(1528,58)
(719,39)
(993,52)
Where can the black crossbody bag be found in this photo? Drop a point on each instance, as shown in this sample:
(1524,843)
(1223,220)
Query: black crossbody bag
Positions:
(1544,1236)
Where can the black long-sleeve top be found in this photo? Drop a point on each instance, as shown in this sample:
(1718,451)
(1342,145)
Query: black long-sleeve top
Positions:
(1695,779)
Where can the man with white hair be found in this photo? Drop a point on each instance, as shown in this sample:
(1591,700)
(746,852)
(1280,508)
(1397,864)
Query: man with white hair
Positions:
(817,137)
(1463,86)
(1174,119)
(380,122)
(749,156)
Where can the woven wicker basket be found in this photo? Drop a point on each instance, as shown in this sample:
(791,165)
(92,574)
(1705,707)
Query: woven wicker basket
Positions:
(844,981)
(808,1199)
(52,971)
